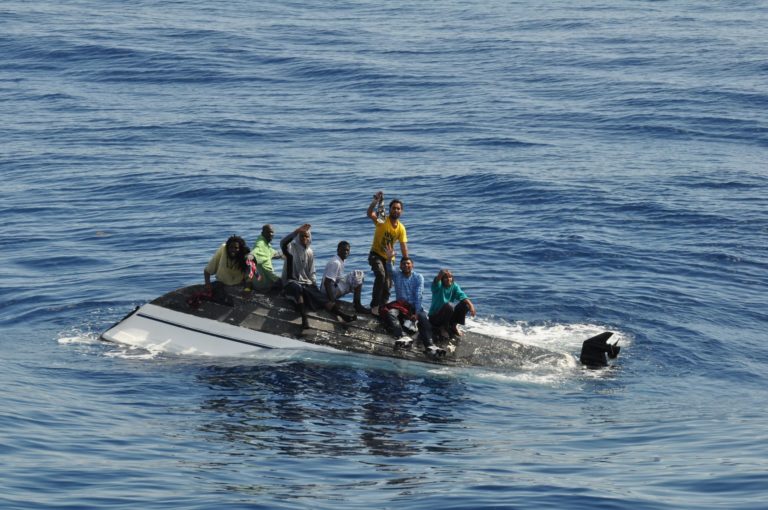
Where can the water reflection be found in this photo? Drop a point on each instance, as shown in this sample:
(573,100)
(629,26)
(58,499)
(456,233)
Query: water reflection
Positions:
(306,409)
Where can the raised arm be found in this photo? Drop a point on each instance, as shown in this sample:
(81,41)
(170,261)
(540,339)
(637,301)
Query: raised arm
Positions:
(372,208)
(285,241)
(390,251)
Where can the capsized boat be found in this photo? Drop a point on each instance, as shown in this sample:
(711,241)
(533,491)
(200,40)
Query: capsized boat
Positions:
(181,322)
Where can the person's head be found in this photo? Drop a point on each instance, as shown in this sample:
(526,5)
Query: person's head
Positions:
(406,265)
(305,238)
(343,249)
(236,247)
(237,251)
(268,232)
(447,278)
(395,208)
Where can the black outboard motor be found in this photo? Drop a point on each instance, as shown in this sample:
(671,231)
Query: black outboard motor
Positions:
(595,349)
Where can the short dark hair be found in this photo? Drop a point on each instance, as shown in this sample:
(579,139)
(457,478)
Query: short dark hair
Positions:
(395,201)
(404,258)
(343,243)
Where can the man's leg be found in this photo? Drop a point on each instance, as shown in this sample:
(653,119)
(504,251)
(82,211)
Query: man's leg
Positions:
(391,319)
(387,284)
(380,274)
(295,293)
(458,317)
(359,308)
(425,335)
(425,328)
(441,319)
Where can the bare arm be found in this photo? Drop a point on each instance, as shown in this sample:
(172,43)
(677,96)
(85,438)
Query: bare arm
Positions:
(329,289)
(404,248)
(372,208)
(471,307)
(285,241)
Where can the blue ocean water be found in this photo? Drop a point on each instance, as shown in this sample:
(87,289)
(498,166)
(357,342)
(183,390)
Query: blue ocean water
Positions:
(580,167)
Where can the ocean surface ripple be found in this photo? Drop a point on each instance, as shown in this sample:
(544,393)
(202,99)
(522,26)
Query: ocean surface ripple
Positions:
(580,168)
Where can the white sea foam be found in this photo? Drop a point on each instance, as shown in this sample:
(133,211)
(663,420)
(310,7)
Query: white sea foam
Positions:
(84,338)
(551,336)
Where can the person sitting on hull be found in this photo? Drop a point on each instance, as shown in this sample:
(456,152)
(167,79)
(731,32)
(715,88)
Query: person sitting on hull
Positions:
(337,284)
(263,253)
(443,316)
(409,296)
(230,267)
(388,229)
(299,280)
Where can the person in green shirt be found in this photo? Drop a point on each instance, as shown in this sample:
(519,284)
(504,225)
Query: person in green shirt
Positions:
(442,314)
(263,253)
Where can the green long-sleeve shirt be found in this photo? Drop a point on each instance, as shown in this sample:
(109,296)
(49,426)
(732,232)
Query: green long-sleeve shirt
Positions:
(442,295)
(264,253)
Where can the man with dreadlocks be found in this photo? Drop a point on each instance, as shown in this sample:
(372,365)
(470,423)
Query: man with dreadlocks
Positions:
(229,265)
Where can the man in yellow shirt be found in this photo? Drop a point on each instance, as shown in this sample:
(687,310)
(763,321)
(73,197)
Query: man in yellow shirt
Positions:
(388,230)
(228,263)
(229,266)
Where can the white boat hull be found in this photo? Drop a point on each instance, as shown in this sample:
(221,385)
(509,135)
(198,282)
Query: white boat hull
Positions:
(152,327)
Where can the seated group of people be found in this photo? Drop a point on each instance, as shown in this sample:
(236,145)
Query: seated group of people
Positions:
(234,264)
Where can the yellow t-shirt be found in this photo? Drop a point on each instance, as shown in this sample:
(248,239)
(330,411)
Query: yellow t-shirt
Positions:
(226,271)
(386,234)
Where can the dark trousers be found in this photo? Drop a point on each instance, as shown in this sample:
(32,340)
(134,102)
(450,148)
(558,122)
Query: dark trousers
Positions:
(382,279)
(310,294)
(448,316)
(393,320)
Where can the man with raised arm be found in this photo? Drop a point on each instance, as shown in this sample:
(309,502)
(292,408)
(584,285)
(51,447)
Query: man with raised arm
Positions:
(388,230)
(443,316)
(299,279)
(409,294)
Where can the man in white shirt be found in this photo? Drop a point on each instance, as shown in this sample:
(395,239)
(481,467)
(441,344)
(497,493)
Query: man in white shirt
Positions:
(337,284)
(299,277)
